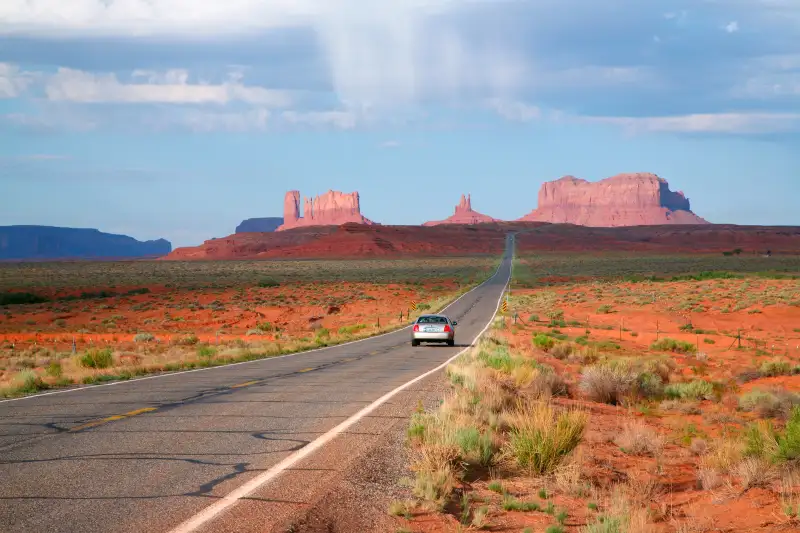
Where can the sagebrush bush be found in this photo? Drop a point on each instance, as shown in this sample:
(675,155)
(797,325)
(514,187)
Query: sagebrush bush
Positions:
(144,337)
(693,390)
(775,368)
(769,403)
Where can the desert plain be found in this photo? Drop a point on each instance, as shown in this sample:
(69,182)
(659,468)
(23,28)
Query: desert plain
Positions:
(621,392)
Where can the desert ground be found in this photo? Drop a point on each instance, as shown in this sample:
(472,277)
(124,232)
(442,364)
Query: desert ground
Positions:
(620,394)
(65,324)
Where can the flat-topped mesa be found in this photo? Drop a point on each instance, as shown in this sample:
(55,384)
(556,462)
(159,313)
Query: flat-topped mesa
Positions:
(638,199)
(332,208)
(463,215)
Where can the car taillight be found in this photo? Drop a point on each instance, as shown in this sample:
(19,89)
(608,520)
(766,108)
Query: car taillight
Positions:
(416,327)
(447,328)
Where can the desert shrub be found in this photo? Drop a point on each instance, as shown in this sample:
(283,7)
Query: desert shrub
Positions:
(54,369)
(639,439)
(266,327)
(649,385)
(775,368)
(206,352)
(254,332)
(769,403)
(143,337)
(693,390)
(607,383)
(605,309)
(189,340)
(543,342)
(267,283)
(97,358)
(672,345)
(540,439)
(562,350)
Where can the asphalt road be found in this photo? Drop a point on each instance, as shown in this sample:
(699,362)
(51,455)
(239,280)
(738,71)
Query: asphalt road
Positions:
(149,454)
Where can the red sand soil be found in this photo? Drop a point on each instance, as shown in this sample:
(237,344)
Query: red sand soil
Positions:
(669,486)
(354,240)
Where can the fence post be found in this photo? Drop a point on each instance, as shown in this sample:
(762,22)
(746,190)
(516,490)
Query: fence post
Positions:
(658,332)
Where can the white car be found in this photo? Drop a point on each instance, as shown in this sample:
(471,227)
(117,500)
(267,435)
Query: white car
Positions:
(433,328)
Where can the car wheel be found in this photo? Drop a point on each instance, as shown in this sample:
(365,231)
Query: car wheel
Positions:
(451,342)
(414,342)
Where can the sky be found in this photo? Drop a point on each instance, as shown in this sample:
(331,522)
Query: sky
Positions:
(180,118)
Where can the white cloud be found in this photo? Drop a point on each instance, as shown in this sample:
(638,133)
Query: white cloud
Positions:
(390,144)
(13,82)
(171,87)
(772,76)
(731,123)
(339,119)
(516,111)
(732,27)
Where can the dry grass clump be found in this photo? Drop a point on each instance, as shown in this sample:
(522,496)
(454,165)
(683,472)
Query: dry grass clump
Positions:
(639,439)
(606,383)
(623,515)
(540,438)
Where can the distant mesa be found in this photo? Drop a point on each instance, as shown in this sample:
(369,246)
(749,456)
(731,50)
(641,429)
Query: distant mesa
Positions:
(639,199)
(39,243)
(463,215)
(259,225)
(333,208)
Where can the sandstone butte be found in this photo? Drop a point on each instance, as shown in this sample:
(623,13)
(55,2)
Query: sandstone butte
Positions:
(639,199)
(463,215)
(332,208)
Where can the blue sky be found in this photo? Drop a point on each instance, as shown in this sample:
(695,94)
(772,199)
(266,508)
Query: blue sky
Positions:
(180,118)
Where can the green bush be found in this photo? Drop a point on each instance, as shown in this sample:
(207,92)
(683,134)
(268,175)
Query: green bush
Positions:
(206,352)
(543,342)
(97,358)
(775,368)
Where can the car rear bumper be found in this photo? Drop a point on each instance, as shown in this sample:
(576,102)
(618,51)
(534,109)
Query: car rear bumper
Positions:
(443,336)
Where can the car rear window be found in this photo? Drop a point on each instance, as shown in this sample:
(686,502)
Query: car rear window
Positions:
(432,320)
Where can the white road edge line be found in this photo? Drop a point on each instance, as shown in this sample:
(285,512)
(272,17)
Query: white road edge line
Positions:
(227,501)
(247,362)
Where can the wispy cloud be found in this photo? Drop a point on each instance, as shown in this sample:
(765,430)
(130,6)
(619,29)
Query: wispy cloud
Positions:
(732,27)
(172,87)
(390,144)
(728,123)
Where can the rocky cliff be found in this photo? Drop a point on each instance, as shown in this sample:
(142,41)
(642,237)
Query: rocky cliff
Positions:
(463,214)
(639,199)
(259,225)
(333,208)
(46,242)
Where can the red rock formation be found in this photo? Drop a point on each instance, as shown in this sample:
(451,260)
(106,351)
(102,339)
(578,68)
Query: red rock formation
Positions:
(463,215)
(333,208)
(639,199)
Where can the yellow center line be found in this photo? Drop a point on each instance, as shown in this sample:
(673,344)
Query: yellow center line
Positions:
(113,418)
(240,385)
(307,370)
